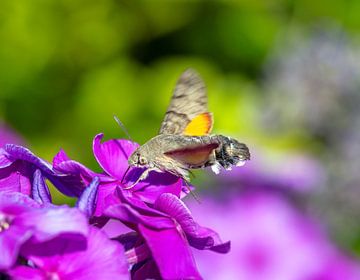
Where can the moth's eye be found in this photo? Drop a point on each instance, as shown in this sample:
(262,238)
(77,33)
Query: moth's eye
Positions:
(142,160)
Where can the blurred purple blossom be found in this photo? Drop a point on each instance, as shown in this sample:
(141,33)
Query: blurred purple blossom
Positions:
(27,227)
(270,240)
(286,172)
(102,259)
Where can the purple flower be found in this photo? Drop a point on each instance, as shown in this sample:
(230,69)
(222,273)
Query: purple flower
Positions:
(167,231)
(102,259)
(21,171)
(112,156)
(26,227)
(270,240)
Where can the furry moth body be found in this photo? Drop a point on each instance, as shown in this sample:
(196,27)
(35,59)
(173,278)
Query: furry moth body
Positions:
(184,142)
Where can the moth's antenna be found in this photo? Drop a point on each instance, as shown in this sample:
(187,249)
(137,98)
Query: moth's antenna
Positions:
(122,126)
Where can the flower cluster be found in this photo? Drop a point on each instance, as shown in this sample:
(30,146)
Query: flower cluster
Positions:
(40,240)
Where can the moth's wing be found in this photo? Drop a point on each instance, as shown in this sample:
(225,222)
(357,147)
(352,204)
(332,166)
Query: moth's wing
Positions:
(194,155)
(188,104)
(200,125)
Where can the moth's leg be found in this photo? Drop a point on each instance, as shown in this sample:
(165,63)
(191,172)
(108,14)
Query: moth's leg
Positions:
(187,184)
(143,176)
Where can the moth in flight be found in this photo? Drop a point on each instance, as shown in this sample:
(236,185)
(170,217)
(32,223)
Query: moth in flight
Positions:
(184,142)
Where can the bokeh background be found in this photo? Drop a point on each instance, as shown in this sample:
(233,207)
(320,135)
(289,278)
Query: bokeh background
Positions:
(283,76)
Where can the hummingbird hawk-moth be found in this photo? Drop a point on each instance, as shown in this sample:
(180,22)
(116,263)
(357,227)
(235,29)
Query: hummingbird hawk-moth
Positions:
(184,142)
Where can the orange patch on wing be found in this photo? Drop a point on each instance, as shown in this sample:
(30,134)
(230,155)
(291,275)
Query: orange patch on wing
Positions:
(200,125)
(194,155)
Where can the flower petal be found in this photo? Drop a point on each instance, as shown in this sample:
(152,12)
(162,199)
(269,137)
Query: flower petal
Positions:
(14,203)
(155,185)
(10,242)
(5,159)
(86,202)
(171,253)
(123,196)
(16,178)
(22,153)
(40,191)
(105,190)
(92,263)
(27,273)
(73,178)
(198,236)
(64,164)
(24,159)
(129,215)
(52,221)
(112,155)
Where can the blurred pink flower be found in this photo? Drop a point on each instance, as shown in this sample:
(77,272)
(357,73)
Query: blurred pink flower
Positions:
(270,240)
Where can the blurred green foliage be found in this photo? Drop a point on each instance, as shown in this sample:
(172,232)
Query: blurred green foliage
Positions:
(68,66)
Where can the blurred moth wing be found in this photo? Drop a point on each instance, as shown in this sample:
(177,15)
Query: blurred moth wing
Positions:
(188,108)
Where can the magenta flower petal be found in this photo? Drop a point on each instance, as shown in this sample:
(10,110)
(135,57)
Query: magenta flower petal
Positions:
(198,236)
(60,157)
(53,221)
(10,244)
(112,155)
(127,214)
(105,190)
(135,203)
(132,211)
(171,253)
(156,184)
(14,203)
(12,236)
(27,273)
(64,164)
(102,259)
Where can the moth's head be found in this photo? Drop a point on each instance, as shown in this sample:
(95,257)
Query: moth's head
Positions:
(138,160)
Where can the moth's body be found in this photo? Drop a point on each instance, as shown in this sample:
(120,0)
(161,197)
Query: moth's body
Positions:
(157,153)
(177,154)
(184,142)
